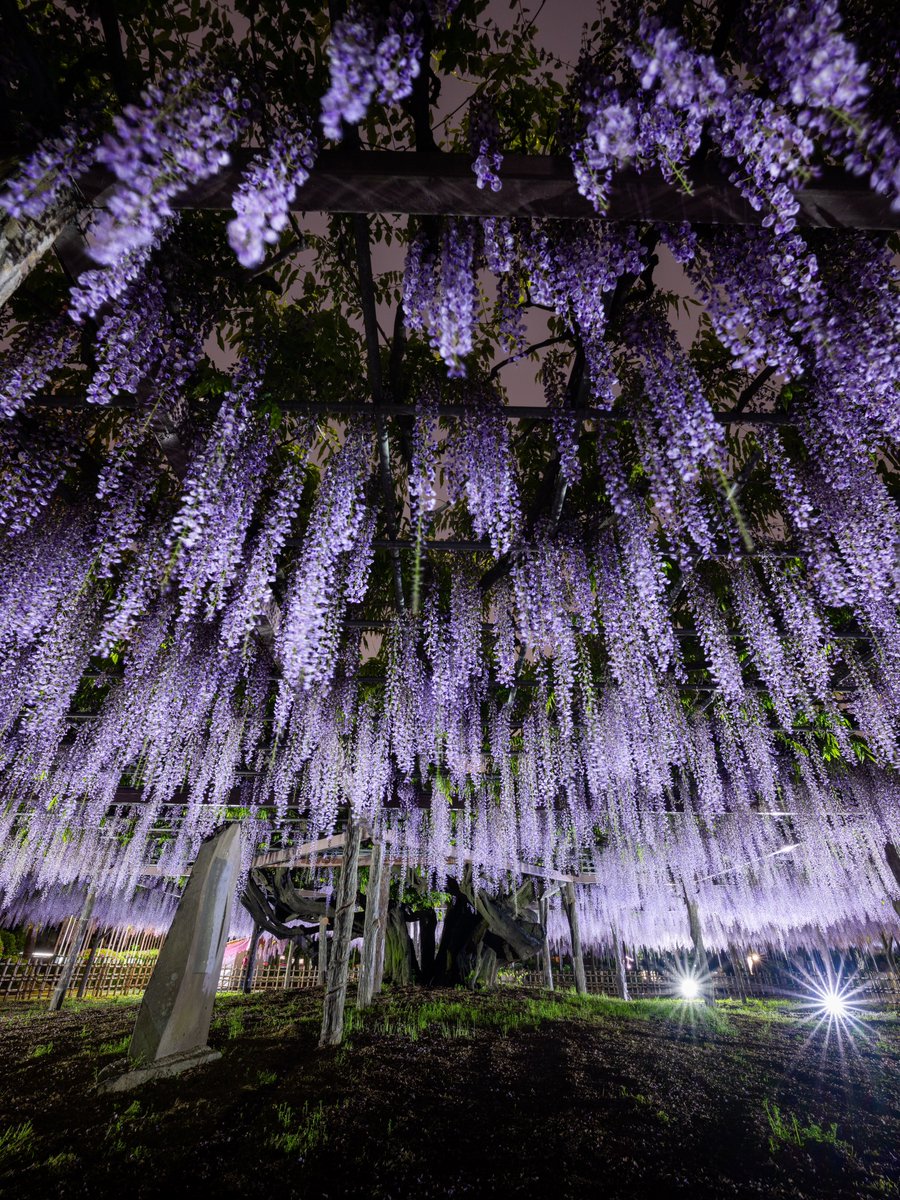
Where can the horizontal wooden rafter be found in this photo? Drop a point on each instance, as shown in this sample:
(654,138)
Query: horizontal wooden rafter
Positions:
(434,184)
(339,408)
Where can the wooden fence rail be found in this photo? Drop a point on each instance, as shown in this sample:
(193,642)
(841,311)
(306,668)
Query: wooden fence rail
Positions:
(32,979)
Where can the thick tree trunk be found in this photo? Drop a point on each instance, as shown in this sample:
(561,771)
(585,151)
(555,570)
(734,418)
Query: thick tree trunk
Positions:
(366,986)
(460,925)
(571,908)
(400,967)
(76,944)
(427,928)
(336,992)
(619,959)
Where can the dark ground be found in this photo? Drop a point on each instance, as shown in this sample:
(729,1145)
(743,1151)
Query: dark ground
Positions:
(446,1094)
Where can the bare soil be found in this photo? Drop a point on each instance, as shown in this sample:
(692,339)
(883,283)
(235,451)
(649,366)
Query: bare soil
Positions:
(486,1097)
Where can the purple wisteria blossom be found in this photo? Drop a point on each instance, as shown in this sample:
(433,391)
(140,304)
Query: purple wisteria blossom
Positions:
(267,191)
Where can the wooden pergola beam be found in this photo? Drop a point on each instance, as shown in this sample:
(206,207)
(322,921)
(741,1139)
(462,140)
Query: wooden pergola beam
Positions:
(347,408)
(436,184)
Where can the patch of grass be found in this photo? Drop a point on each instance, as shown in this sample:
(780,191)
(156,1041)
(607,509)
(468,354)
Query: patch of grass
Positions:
(235,1024)
(882,1186)
(61,1162)
(299,1135)
(647,1103)
(118,1047)
(760,1010)
(15,1140)
(265,1078)
(786,1130)
(115,1133)
(41,1051)
(461,1015)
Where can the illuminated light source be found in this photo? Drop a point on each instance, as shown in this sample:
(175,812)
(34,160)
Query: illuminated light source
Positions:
(689,987)
(833,1004)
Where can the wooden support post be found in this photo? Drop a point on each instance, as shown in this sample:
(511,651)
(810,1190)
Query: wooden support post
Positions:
(89,965)
(701,960)
(619,958)
(322,977)
(23,243)
(76,943)
(571,907)
(336,991)
(546,964)
(384,901)
(247,986)
(892,855)
(366,987)
(288,958)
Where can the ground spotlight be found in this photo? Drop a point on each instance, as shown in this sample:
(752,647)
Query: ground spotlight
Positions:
(832,1003)
(689,987)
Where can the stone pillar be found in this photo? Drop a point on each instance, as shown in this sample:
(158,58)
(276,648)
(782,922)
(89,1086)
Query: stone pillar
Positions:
(76,944)
(173,1021)
(569,903)
(619,959)
(345,906)
(546,964)
(366,987)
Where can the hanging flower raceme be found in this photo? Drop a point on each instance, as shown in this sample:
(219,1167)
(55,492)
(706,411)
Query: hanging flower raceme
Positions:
(772,661)
(804,57)
(423,465)
(573,267)
(251,593)
(36,451)
(131,340)
(176,136)
(481,465)
(31,360)
(219,499)
(659,120)
(676,431)
(307,641)
(484,140)
(762,293)
(439,291)
(44,178)
(365,54)
(267,191)
(641,560)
